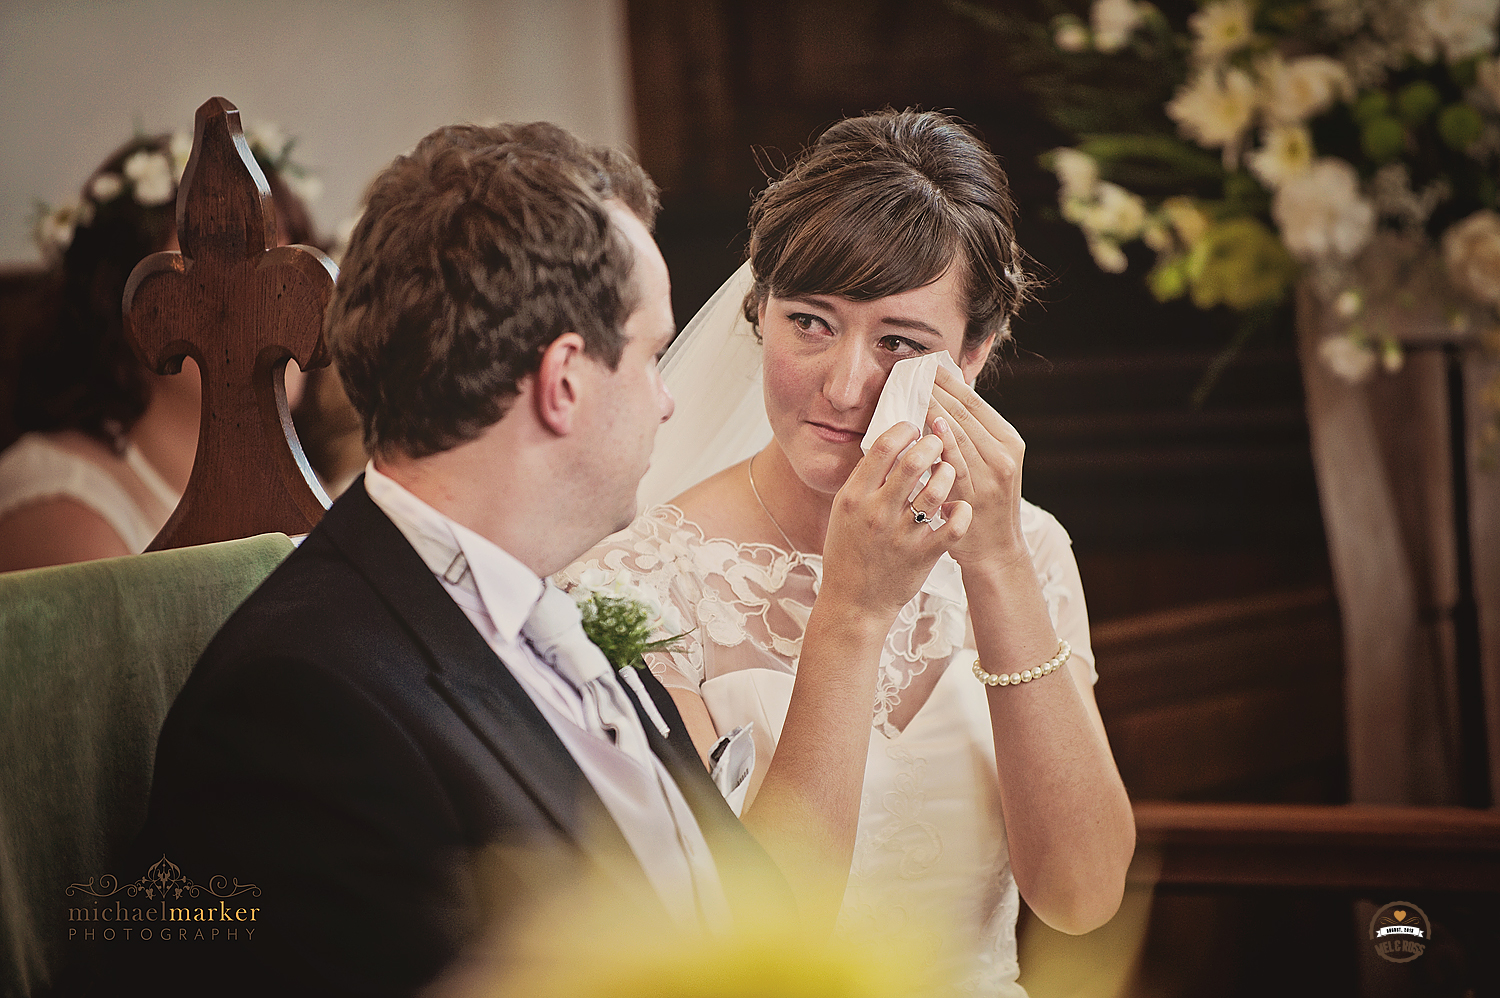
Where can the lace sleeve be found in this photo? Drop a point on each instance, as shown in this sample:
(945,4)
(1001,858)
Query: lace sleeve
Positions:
(1062,588)
(649,555)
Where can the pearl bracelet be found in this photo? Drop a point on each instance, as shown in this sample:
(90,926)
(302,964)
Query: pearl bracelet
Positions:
(1064,652)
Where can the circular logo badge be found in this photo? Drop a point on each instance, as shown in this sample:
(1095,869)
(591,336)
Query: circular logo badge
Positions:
(1400,932)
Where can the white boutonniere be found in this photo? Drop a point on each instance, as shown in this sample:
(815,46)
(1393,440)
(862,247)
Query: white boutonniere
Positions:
(623,619)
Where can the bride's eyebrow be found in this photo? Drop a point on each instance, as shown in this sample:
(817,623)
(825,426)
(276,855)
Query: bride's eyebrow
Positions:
(828,303)
(915,325)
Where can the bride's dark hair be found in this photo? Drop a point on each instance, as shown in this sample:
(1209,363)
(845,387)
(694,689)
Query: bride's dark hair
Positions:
(885,203)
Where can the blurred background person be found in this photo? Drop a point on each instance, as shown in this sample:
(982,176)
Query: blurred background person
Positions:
(107,446)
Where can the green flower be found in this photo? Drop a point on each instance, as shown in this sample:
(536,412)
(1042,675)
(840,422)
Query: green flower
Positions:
(1239,263)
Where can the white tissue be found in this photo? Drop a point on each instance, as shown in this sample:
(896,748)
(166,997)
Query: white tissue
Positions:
(907,393)
(905,398)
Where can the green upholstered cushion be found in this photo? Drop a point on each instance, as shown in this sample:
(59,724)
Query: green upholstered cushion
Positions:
(91,657)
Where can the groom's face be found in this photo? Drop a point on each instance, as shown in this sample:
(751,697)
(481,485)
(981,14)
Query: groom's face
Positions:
(631,401)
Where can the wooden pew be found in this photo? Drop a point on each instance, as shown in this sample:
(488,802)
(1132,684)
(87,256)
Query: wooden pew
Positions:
(241,307)
(1347,847)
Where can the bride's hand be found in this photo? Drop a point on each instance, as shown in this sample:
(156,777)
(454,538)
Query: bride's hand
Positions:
(875,554)
(986,454)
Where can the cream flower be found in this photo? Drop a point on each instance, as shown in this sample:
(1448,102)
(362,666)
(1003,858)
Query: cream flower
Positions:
(1107,254)
(1345,17)
(1471,251)
(1113,22)
(1220,28)
(1077,172)
(1292,92)
(1489,80)
(1187,219)
(1071,36)
(1115,213)
(106,187)
(54,229)
(1214,108)
(1285,152)
(151,173)
(1461,28)
(1157,233)
(1349,358)
(1321,214)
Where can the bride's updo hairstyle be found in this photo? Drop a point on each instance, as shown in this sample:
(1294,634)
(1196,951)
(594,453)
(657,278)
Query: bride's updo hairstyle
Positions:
(885,203)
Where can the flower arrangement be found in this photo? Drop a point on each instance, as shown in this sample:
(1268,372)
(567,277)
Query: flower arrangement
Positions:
(621,618)
(1350,144)
(146,182)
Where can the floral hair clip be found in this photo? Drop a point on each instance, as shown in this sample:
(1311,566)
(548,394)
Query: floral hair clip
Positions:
(147,180)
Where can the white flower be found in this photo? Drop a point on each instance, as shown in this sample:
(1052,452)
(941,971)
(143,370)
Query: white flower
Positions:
(1113,22)
(106,187)
(1107,254)
(1349,358)
(151,173)
(1077,172)
(306,186)
(1292,92)
(1321,214)
(181,147)
(1285,152)
(1471,251)
(54,229)
(1220,29)
(1071,37)
(1115,213)
(1461,28)
(1214,108)
(267,137)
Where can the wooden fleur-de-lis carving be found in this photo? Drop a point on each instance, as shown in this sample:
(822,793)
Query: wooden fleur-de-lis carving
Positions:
(240,307)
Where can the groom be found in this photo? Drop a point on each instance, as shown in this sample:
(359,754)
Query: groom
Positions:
(397,739)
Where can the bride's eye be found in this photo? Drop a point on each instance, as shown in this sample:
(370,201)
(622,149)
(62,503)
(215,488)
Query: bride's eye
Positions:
(899,344)
(808,323)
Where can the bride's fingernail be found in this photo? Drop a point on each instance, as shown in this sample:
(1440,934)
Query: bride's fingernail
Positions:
(940,425)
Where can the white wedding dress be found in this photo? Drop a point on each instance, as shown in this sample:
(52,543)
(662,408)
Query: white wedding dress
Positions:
(930,859)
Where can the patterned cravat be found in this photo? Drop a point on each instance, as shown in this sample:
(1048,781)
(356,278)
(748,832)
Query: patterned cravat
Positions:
(555,631)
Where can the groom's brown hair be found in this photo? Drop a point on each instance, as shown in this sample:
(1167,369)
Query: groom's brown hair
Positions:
(474,252)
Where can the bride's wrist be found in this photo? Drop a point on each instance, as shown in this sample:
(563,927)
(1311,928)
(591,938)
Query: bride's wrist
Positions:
(854,619)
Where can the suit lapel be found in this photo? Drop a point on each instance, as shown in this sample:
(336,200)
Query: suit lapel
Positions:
(741,860)
(465,670)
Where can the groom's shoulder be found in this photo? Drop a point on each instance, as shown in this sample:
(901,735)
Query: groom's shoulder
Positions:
(322,593)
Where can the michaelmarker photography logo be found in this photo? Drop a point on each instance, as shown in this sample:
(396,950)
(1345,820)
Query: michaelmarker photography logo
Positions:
(162,906)
(1400,932)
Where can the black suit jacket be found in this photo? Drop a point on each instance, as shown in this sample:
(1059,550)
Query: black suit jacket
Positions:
(348,744)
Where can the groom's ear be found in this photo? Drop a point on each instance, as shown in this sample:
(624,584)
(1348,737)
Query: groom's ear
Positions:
(560,383)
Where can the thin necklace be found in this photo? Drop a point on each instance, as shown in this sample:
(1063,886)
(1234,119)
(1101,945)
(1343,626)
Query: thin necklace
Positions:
(750,468)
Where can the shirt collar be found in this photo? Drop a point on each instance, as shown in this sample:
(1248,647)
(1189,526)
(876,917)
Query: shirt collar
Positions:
(459,556)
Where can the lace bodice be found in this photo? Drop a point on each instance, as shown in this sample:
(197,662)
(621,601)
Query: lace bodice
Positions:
(930,854)
(749,604)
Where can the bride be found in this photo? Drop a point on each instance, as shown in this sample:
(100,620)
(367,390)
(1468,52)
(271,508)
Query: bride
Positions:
(910,731)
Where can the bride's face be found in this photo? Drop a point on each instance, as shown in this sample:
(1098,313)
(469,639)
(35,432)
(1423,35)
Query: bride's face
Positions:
(827,358)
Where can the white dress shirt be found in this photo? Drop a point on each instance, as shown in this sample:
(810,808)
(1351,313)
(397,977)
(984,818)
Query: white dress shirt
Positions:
(496,592)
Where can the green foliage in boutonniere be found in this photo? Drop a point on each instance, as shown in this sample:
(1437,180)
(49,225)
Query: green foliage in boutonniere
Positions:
(621,619)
